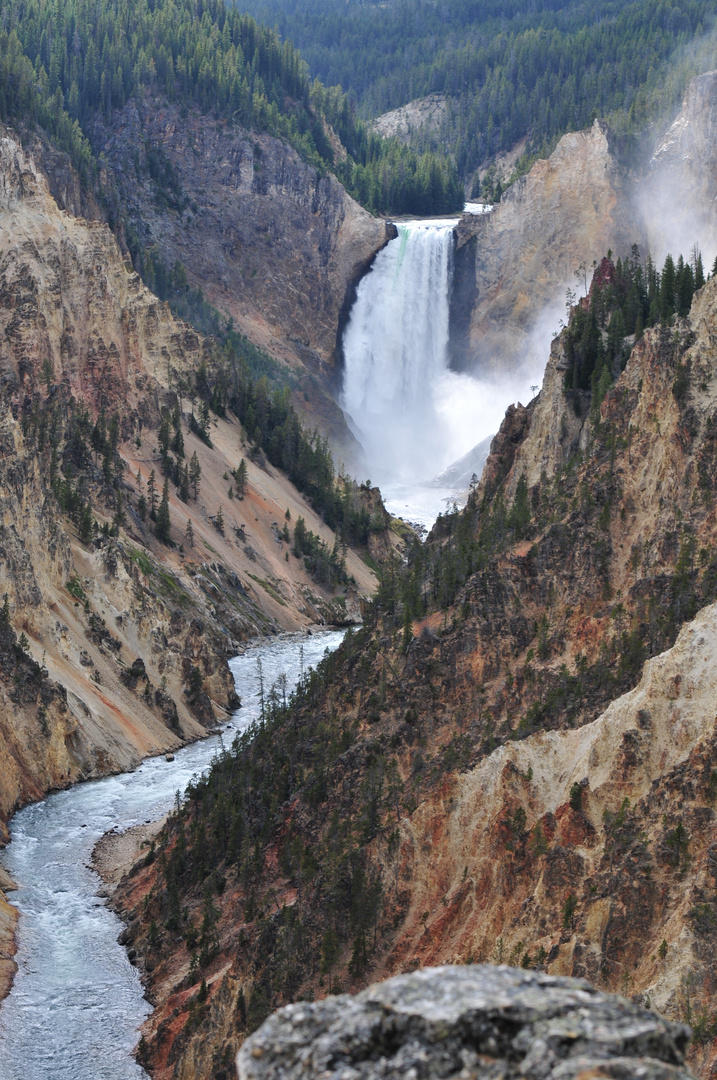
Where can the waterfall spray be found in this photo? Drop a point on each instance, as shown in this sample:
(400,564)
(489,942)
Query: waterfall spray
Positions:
(412,415)
(396,351)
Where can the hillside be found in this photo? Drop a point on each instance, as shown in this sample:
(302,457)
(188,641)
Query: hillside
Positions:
(64,63)
(137,552)
(455,784)
(506,71)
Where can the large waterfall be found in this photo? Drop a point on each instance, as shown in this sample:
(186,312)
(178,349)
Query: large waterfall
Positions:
(395,350)
(412,415)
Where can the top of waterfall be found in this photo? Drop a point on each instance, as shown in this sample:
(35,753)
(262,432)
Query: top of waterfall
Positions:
(428,223)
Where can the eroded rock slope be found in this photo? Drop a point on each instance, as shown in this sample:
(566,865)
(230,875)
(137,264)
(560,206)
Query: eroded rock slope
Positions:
(514,264)
(112,644)
(489,770)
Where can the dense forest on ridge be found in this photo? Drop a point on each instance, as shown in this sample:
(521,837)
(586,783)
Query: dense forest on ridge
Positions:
(61,63)
(508,69)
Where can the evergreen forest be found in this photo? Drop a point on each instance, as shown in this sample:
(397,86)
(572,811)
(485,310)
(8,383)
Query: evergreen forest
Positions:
(508,70)
(63,62)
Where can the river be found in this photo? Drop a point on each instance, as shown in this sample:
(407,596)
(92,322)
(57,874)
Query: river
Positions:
(77,1002)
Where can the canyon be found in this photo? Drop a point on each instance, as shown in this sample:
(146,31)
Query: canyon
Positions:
(501,780)
(99,640)
(523,770)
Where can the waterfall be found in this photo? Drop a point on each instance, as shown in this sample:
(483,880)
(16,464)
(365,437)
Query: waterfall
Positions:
(395,350)
(414,417)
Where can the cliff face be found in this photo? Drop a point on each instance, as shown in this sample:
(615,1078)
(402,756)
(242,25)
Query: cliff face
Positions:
(504,778)
(678,200)
(513,265)
(271,242)
(114,646)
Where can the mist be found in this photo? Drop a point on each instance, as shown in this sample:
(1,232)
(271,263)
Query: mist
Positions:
(413,416)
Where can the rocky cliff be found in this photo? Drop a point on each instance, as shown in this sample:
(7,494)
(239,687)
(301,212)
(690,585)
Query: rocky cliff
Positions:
(677,198)
(113,645)
(460,1022)
(513,266)
(272,242)
(501,777)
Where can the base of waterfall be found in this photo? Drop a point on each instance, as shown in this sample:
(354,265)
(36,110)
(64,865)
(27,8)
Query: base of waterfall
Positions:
(419,504)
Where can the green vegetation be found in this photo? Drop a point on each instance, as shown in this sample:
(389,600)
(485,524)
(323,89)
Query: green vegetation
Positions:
(627,297)
(508,69)
(272,424)
(227,819)
(64,61)
(327,566)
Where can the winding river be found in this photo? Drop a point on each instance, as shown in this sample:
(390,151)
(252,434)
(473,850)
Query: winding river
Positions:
(77,1002)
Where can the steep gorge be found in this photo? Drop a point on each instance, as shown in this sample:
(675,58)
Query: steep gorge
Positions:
(457,786)
(430,802)
(271,242)
(114,645)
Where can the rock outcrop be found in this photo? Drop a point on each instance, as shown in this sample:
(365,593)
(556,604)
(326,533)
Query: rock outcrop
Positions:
(513,265)
(116,647)
(271,242)
(678,199)
(416,117)
(8,921)
(462,1022)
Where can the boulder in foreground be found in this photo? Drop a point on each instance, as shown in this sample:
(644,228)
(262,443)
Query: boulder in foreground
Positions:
(467,1023)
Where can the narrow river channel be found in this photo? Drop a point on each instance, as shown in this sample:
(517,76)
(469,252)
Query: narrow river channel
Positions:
(77,1002)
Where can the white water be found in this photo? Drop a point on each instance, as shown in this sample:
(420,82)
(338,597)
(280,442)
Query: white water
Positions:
(412,415)
(77,1002)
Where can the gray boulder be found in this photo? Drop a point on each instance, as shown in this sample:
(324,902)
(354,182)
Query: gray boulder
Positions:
(467,1023)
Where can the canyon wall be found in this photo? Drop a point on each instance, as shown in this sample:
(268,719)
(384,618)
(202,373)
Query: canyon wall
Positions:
(503,778)
(513,265)
(115,646)
(677,198)
(272,242)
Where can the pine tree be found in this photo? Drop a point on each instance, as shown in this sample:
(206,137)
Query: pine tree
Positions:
(178,439)
(300,537)
(219,521)
(152,495)
(195,473)
(184,485)
(120,516)
(48,373)
(667,290)
(163,528)
(240,477)
(189,533)
(698,268)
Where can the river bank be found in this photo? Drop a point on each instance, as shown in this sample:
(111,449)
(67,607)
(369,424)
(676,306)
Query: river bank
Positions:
(115,853)
(8,946)
(77,1002)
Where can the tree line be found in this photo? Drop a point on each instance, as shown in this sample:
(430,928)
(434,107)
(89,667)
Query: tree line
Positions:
(508,70)
(64,61)
(626,297)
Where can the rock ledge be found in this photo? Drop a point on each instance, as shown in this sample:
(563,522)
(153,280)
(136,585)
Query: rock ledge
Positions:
(463,1023)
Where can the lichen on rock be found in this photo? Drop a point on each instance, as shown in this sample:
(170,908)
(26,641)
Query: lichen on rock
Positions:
(465,1022)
